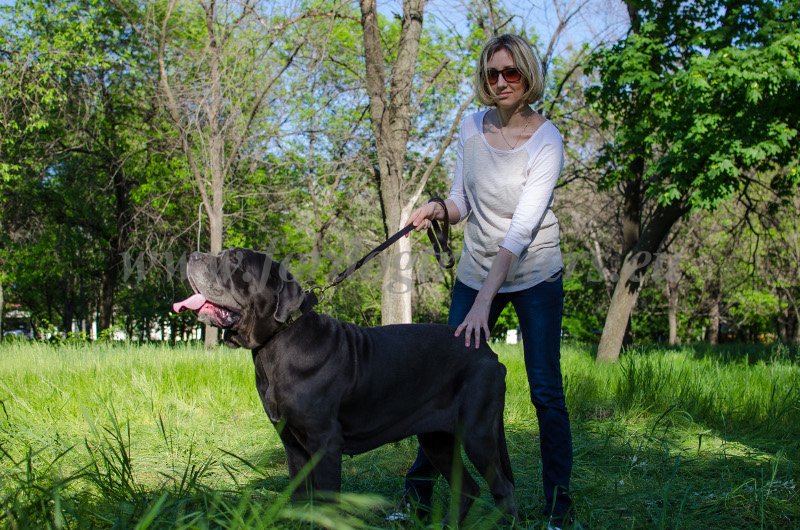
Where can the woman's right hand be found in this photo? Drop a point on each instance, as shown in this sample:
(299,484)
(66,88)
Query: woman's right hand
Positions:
(422,216)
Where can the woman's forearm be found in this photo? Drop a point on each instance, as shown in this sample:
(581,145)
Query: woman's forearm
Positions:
(476,323)
(497,275)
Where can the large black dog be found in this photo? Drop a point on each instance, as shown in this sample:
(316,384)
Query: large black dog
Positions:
(332,388)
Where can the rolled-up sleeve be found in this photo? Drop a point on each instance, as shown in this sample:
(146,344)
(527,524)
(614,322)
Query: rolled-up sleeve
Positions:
(458,194)
(543,173)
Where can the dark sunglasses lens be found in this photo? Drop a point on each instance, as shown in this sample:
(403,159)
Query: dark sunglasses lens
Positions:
(512,75)
(492,76)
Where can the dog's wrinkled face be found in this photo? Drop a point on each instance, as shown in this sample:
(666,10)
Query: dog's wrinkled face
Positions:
(242,291)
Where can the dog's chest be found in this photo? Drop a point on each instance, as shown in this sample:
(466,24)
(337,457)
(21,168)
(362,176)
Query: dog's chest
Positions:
(294,386)
(267,394)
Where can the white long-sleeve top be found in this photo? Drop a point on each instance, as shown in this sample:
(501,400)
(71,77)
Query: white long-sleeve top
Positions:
(506,197)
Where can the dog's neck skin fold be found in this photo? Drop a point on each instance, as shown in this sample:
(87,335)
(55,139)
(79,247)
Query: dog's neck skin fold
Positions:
(294,316)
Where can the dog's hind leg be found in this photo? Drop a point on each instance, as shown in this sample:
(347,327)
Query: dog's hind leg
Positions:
(490,458)
(486,446)
(444,452)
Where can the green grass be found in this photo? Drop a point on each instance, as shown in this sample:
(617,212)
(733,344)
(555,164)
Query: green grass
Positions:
(104,435)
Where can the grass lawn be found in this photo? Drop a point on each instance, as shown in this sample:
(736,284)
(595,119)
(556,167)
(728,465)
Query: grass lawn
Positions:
(124,436)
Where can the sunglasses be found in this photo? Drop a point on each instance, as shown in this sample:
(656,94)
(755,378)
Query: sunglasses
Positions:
(511,75)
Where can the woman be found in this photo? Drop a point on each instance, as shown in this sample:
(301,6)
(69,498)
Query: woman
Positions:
(509,159)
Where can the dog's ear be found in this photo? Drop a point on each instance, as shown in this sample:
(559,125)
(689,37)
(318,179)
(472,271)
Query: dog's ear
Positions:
(290,296)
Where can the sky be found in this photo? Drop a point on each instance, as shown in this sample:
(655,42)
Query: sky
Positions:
(596,20)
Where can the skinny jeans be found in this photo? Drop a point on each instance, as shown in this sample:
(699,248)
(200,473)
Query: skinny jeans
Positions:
(539,309)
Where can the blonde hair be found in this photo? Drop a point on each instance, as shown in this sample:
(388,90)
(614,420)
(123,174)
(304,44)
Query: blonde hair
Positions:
(525,60)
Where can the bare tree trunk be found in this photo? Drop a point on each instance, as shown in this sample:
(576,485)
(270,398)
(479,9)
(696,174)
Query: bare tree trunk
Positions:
(635,264)
(672,315)
(398,283)
(713,322)
(211,336)
(391,122)
(797,328)
(632,221)
(118,244)
(632,210)
(216,154)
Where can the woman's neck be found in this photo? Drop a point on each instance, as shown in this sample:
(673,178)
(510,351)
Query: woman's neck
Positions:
(513,117)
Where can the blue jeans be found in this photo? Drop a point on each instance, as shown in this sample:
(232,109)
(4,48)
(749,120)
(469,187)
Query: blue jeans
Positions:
(539,311)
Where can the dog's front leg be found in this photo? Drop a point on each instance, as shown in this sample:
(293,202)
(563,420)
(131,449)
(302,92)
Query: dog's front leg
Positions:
(296,455)
(296,459)
(325,446)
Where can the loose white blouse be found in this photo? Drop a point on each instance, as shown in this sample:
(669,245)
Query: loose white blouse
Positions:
(506,197)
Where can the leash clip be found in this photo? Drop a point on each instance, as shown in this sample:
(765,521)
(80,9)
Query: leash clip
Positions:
(311,297)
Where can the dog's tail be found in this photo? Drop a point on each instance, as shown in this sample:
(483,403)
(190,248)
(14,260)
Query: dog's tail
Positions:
(505,460)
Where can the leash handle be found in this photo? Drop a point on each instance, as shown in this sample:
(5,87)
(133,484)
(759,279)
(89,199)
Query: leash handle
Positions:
(440,235)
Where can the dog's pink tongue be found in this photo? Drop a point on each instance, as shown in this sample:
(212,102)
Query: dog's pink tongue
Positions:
(192,303)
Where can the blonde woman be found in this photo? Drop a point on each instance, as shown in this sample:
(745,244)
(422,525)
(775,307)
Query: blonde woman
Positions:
(508,161)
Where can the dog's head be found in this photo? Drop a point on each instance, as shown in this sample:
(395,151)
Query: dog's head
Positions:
(244,292)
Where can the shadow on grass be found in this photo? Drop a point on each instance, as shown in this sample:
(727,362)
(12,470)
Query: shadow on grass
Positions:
(699,439)
(642,473)
(739,353)
(105,494)
(663,471)
(630,472)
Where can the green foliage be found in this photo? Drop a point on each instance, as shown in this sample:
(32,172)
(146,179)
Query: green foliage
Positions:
(507,320)
(79,121)
(701,97)
(703,93)
(585,297)
(754,309)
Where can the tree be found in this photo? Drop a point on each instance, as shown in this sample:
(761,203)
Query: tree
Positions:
(700,97)
(392,112)
(218,64)
(77,124)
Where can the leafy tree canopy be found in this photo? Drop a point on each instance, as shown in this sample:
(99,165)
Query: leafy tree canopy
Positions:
(701,96)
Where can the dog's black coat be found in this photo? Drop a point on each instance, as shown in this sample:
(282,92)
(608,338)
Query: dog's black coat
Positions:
(333,388)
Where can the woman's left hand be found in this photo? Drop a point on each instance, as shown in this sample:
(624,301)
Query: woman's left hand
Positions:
(476,321)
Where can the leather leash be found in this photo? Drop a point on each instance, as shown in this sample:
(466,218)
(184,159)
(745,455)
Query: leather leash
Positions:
(438,235)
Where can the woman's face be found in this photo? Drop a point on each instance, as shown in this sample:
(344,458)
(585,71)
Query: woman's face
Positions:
(508,94)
